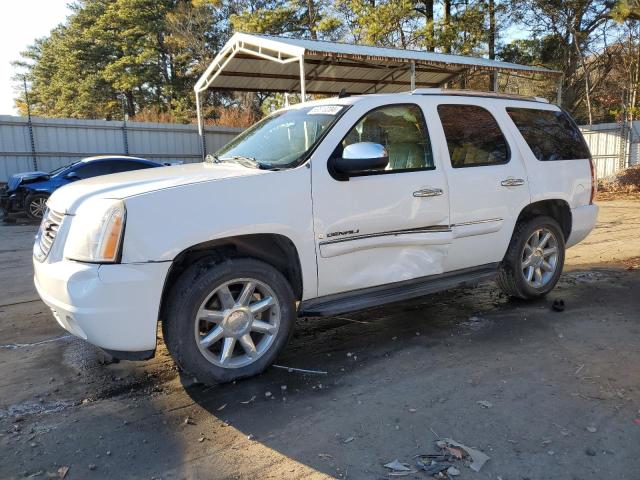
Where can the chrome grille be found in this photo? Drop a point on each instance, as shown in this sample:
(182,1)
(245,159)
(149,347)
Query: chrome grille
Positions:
(47,233)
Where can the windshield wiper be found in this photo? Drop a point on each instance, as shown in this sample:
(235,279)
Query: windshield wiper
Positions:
(245,161)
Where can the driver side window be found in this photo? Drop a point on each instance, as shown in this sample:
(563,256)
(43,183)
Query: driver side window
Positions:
(401,129)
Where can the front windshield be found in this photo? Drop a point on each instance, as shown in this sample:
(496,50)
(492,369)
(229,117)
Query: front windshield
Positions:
(281,139)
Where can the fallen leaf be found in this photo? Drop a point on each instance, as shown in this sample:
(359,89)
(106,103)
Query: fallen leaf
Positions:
(456,452)
(62,472)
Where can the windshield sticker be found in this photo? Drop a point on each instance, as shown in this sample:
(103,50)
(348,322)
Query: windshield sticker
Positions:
(325,110)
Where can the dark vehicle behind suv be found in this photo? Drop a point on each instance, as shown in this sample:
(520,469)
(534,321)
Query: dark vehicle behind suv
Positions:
(27,193)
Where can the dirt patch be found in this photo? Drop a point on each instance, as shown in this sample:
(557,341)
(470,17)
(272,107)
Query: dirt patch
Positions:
(545,394)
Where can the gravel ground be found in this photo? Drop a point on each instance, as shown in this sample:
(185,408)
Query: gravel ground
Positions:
(559,392)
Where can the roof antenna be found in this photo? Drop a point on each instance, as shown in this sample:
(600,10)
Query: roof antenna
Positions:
(343,93)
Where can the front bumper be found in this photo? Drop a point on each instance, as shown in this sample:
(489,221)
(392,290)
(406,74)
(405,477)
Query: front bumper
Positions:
(114,307)
(583,220)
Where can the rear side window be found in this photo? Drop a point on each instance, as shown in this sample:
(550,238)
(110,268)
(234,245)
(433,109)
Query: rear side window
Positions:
(118,166)
(473,136)
(93,169)
(551,135)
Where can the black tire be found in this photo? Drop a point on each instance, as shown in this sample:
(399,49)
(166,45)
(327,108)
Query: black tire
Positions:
(32,206)
(510,273)
(192,289)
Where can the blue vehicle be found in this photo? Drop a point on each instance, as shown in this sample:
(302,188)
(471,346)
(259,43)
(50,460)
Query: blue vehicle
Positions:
(27,193)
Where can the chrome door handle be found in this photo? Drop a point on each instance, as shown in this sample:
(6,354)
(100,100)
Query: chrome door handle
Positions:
(428,192)
(512,182)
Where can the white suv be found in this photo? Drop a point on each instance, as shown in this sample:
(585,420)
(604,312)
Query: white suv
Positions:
(321,208)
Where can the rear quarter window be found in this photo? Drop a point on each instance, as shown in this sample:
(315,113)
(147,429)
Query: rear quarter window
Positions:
(551,135)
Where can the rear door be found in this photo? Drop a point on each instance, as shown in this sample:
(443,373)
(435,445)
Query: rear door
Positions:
(387,225)
(487,178)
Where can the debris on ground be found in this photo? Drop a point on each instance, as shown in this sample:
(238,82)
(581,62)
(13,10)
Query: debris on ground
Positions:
(62,472)
(558,305)
(189,421)
(300,370)
(434,467)
(592,429)
(398,467)
(484,403)
(92,466)
(478,458)
(453,472)
(349,440)
(221,407)
(247,402)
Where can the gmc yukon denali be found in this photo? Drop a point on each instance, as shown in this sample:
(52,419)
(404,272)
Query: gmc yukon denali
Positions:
(324,207)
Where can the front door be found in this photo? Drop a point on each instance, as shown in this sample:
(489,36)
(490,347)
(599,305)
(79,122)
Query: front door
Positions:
(387,225)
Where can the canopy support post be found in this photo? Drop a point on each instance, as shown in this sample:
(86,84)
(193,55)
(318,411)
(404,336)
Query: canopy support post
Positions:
(203,142)
(494,81)
(413,76)
(559,91)
(303,87)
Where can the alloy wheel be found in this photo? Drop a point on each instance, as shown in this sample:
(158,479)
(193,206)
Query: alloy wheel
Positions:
(540,257)
(37,207)
(237,323)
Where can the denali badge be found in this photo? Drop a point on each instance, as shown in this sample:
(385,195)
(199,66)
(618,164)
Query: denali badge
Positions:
(346,232)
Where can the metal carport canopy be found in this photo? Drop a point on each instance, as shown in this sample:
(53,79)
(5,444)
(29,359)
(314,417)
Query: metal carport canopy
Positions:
(252,63)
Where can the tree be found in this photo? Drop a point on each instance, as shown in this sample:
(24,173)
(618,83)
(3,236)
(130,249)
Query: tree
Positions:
(306,18)
(147,52)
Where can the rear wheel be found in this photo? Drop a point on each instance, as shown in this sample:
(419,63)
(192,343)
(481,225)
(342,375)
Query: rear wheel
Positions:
(228,320)
(35,206)
(534,260)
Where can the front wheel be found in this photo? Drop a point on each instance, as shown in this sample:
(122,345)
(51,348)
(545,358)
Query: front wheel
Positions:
(35,206)
(228,320)
(534,260)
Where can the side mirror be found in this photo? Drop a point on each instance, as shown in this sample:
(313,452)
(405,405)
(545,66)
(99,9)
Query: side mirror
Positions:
(362,157)
(71,176)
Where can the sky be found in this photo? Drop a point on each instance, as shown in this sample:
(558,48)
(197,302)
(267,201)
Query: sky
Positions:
(21,22)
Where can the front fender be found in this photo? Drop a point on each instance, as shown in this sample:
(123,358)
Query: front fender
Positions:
(163,223)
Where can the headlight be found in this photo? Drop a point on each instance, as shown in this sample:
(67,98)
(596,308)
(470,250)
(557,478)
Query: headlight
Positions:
(96,232)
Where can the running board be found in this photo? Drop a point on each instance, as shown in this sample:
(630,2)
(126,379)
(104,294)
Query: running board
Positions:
(395,292)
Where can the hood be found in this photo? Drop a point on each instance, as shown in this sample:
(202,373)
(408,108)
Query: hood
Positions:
(138,182)
(25,177)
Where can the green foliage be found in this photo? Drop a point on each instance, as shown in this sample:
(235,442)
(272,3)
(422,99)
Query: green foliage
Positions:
(144,56)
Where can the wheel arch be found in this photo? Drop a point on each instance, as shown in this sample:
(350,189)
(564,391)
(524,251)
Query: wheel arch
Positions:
(277,250)
(557,209)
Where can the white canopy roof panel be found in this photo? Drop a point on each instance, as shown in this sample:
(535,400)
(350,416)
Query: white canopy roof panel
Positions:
(252,62)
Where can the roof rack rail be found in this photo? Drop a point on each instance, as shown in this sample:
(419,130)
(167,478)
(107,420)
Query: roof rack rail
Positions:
(476,93)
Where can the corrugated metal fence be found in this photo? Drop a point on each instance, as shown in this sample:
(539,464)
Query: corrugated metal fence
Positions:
(57,142)
(614,146)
